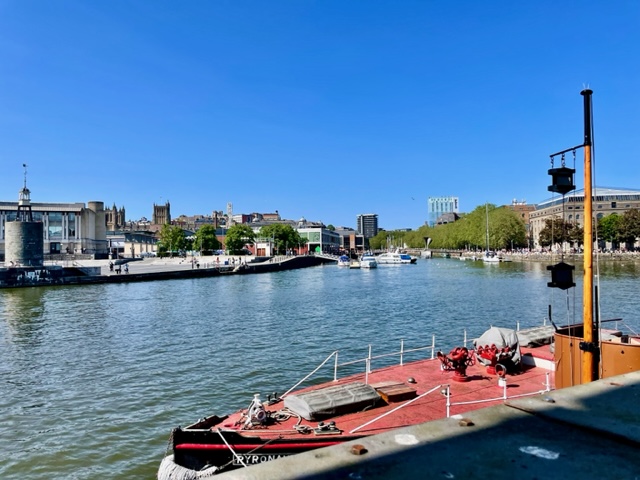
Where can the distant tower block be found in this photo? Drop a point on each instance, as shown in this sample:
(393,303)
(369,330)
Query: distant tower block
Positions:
(24,243)
(229,214)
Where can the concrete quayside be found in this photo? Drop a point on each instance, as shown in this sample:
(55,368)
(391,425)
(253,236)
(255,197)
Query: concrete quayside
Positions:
(149,269)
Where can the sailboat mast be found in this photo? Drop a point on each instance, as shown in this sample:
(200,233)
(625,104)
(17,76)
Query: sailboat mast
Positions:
(486,208)
(589,359)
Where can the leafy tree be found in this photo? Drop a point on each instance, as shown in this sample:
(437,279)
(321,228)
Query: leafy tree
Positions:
(557,230)
(506,229)
(416,238)
(237,237)
(171,239)
(284,236)
(206,239)
(630,226)
(331,227)
(610,228)
(379,241)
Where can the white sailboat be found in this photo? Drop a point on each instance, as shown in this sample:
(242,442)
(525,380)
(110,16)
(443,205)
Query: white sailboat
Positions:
(489,256)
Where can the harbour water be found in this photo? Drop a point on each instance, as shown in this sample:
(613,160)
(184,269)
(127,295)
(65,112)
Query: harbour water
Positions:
(93,378)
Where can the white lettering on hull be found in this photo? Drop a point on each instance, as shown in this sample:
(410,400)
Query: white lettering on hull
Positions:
(254,459)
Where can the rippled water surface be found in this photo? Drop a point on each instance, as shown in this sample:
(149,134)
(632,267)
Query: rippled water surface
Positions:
(93,378)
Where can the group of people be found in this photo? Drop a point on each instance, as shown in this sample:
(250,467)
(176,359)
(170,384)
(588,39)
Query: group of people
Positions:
(117,268)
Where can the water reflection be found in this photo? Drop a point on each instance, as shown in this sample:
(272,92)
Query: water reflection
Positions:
(22,313)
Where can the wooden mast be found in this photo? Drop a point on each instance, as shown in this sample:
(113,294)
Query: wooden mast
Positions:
(590,358)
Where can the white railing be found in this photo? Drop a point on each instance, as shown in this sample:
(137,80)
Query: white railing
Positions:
(447,393)
(370,358)
(367,361)
(504,397)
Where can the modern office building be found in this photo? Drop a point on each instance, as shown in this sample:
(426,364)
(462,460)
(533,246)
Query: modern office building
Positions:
(367,225)
(438,206)
(350,241)
(318,238)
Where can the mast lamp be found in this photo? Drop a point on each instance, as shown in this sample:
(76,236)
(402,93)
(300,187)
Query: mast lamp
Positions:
(561,180)
(561,276)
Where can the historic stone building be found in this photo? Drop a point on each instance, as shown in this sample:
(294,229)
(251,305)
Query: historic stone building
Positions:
(605,202)
(115,219)
(161,214)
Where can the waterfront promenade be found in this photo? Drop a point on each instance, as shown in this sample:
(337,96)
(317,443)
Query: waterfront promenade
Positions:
(82,272)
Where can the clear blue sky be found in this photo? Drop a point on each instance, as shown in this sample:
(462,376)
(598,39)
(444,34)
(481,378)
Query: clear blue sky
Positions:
(322,109)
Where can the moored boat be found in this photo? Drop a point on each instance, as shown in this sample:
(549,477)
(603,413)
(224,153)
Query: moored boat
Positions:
(344,261)
(490,257)
(368,261)
(358,405)
(395,258)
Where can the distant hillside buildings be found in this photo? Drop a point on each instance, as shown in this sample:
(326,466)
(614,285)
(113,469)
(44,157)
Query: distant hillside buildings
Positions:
(92,229)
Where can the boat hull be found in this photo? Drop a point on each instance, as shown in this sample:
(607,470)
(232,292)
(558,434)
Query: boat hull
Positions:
(211,449)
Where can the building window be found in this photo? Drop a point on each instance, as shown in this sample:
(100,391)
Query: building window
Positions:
(613,204)
(55,225)
(71,233)
(599,206)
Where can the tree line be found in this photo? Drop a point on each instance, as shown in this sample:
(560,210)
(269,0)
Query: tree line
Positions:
(506,230)
(173,241)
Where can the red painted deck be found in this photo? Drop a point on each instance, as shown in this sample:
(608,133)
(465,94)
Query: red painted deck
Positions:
(480,387)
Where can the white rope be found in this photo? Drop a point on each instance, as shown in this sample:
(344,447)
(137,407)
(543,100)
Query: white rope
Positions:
(395,409)
(230,448)
(170,470)
(316,369)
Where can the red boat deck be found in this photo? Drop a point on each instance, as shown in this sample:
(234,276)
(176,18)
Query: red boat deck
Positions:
(480,390)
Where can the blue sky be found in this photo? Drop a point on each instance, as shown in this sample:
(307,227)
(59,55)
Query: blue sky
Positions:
(322,109)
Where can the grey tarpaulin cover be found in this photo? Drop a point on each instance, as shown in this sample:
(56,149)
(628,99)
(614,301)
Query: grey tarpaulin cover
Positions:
(334,400)
(501,338)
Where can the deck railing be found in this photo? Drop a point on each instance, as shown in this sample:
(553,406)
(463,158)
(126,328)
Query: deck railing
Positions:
(367,361)
(369,358)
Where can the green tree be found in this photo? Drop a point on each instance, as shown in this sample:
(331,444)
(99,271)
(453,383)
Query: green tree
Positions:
(171,239)
(556,230)
(379,241)
(506,229)
(237,237)
(609,228)
(630,226)
(206,240)
(284,236)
